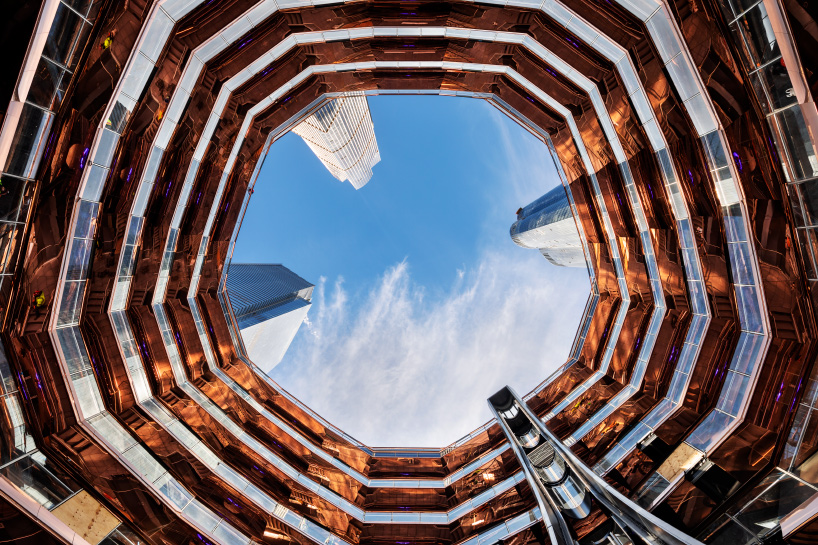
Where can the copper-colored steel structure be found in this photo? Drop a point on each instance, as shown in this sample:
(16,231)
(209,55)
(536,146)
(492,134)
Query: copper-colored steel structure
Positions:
(685,133)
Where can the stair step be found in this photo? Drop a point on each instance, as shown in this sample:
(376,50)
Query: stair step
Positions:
(784,325)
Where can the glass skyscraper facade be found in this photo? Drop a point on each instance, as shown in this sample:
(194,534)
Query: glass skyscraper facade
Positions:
(269,304)
(683,132)
(342,136)
(548,224)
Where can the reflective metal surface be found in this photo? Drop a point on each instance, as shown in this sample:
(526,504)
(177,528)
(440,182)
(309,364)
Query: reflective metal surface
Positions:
(694,355)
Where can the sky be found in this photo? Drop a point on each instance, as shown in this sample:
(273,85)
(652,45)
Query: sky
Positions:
(423,306)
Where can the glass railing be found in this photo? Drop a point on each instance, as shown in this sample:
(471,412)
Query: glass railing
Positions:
(756,516)
(757,40)
(694,268)
(659,306)
(21,464)
(203,54)
(177,104)
(138,375)
(70,348)
(30,474)
(695,284)
(211,459)
(20,441)
(745,364)
(758,44)
(608,229)
(506,529)
(176,107)
(357,66)
(146,56)
(77,369)
(37,97)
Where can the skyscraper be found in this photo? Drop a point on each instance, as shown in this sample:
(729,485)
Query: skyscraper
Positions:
(269,303)
(342,136)
(548,225)
(686,410)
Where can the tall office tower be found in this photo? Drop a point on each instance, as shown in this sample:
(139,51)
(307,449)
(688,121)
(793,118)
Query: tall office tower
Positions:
(548,225)
(342,136)
(269,304)
(685,412)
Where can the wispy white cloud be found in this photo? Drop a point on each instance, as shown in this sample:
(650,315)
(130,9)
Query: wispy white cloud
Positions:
(400,365)
(397,369)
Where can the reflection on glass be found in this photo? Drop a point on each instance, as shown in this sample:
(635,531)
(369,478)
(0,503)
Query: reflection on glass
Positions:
(775,80)
(743,5)
(652,489)
(11,192)
(61,40)
(781,498)
(36,481)
(797,143)
(725,531)
(758,514)
(83,7)
(761,45)
(122,536)
(809,198)
(29,138)
(46,81)
(808,250)
(9,239)
(715,425)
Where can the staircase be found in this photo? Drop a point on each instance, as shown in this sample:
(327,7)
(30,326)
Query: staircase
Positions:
(784,326)
(98,300)
(722,307)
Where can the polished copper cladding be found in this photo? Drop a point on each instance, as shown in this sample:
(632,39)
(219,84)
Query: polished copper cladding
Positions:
(676,135)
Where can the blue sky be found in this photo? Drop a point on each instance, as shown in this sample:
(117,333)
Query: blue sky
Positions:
(423,305)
